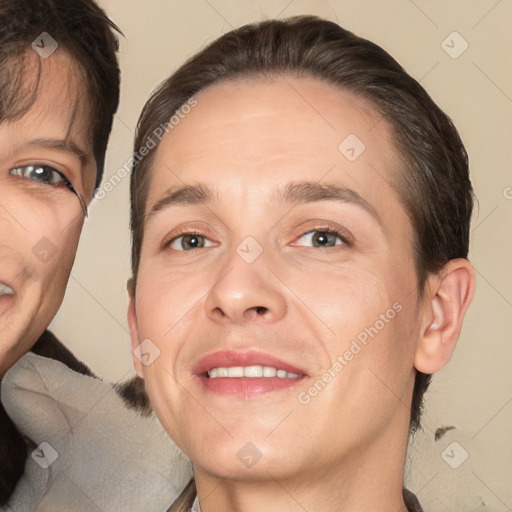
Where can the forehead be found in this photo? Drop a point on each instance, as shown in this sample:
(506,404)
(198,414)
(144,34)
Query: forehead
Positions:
(259,133)
(277,114)
(59,109)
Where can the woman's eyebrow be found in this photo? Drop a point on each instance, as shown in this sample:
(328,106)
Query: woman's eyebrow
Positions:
(62,145)
(308,192)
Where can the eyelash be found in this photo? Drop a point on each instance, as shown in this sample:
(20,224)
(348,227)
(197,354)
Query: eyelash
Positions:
(345,240)
(33,167)
(197,235)
(65,181)
(328,231)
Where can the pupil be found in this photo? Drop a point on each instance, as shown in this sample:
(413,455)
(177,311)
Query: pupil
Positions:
(322,238)
(192,241)
(43,173)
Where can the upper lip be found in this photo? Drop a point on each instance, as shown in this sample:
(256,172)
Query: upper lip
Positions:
(229,358)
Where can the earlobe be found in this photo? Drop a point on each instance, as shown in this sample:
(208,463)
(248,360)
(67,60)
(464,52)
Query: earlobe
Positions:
(447,298)
(134,334)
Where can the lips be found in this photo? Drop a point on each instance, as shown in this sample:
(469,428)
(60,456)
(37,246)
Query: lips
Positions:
(5,289)
(6,297)
(246,373)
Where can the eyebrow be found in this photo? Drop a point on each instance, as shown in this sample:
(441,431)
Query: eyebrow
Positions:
(183,196)
(62,145)
(308,192)
(302,192)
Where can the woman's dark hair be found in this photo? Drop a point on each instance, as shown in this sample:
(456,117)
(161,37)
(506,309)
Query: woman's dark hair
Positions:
(85,33)
(433,181)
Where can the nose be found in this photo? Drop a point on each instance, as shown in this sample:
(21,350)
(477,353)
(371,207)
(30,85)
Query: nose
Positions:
(246,292)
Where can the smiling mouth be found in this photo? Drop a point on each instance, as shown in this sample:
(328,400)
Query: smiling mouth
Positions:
(247,374)
(255,372)
(5,290)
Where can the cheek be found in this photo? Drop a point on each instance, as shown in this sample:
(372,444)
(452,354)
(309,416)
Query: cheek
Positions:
(369,324)
(165,306)
(381,374)
(40,230)
(167,299)
(54,240)
(48,230)
(343,301)
(49,249)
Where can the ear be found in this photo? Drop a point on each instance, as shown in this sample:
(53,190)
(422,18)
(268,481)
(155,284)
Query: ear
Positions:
(134,334)
(130,287)
(447,298)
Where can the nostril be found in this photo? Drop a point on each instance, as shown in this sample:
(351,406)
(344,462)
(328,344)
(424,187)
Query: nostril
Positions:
(260,310)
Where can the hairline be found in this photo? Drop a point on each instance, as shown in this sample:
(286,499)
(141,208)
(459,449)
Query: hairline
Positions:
(80,100)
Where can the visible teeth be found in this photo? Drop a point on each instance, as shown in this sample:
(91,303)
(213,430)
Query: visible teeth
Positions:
(5,290)
(236,371)
(268,371)
(251,372)
(222,372)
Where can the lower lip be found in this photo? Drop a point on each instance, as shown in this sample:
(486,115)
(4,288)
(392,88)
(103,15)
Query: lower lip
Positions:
(6,301)
(246,387)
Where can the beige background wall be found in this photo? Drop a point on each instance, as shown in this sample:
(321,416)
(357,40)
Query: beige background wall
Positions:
(474,393)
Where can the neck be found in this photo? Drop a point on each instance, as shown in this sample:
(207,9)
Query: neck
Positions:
(370,479)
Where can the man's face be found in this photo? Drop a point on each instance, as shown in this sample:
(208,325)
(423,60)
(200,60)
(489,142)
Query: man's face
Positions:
(40,217)
(274,245)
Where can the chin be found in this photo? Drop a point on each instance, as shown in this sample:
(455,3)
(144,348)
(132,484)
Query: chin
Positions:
(243,457)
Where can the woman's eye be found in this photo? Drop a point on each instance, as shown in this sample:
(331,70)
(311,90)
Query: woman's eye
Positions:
(48,175)
(317,238)
(41,173)
(190,241)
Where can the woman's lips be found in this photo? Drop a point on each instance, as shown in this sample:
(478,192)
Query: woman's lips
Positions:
(246,373)
(5,289)
(6,302)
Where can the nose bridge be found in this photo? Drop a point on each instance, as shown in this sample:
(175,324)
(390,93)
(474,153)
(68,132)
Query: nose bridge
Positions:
(246,288)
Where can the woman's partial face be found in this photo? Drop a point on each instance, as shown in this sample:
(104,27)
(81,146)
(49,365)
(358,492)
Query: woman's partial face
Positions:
(276,299)
(41,153)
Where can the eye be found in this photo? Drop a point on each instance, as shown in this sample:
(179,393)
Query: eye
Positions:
(41,173)
(317,238)
(49,176)
(190,241)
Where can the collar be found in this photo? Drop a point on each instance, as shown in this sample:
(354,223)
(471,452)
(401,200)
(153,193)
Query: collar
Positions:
(195,506)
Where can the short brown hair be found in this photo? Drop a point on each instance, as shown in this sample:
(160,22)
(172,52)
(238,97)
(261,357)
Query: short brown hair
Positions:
(433,183)
(86,34)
